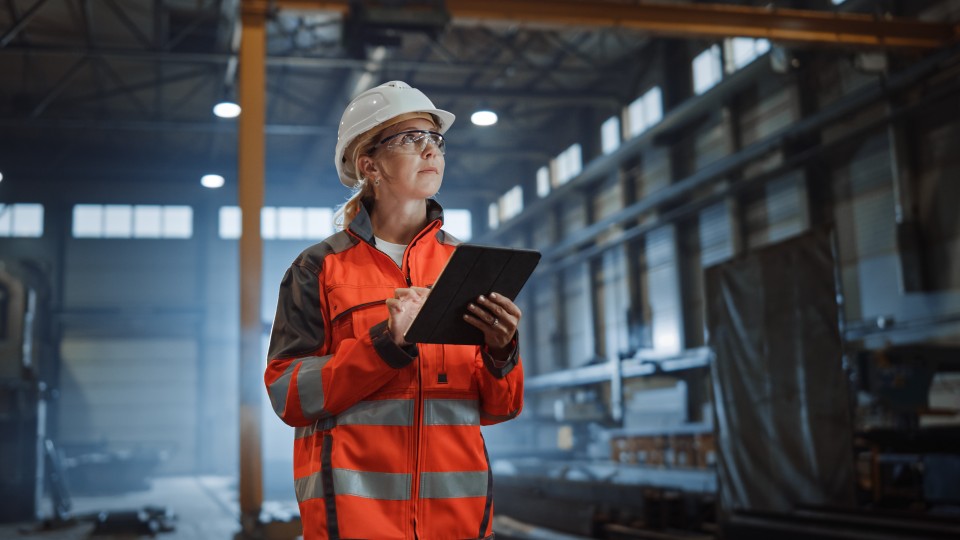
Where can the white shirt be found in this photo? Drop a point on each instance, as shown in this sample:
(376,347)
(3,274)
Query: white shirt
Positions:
(394,251)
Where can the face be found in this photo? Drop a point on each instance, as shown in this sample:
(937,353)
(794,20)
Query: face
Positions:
(410,165)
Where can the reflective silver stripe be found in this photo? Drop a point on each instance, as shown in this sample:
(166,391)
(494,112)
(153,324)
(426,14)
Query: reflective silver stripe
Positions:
(320,425)
(308,487)
(279,388)
(372,485)
(451,412)
(304,431)
(310,385)
(450,485)
(387,412)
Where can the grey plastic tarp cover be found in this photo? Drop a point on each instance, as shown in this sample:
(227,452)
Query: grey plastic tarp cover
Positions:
(780,399)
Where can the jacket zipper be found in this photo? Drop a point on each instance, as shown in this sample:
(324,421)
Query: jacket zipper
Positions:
(415,490)
(415,484)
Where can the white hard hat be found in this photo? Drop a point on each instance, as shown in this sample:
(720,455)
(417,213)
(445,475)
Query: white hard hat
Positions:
(374,107)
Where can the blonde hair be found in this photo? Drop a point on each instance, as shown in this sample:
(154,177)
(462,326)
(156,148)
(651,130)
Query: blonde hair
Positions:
(363,146)
(363,191)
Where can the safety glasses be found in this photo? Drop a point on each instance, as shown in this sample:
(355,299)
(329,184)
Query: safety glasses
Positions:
(414,141)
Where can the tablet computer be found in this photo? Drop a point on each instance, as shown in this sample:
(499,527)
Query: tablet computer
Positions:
(472,270)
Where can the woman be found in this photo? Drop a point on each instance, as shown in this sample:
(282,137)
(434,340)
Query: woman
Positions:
(388,441)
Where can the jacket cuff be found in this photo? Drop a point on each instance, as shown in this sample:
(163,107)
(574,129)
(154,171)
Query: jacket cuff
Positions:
(394,355)
(500,368)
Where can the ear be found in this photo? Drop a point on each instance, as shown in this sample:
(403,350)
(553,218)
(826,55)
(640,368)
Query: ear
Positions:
(366,166)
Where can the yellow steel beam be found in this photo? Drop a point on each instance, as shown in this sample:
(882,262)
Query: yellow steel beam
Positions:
(696,20)
(252,168)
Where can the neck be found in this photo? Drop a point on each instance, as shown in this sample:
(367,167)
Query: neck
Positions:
(398,222)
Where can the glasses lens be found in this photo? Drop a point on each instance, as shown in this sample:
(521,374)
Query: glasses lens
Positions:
(414,142)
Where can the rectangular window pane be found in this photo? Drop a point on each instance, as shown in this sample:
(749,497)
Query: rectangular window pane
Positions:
(177,222)
(570,163)
(290,223)
(230,222)
(268,222)
(459,223)
(6,219)
(87,221)
(511,203)
(28,220)
(706,70)
(319,223)
(543,181)
(117,221)
(610,134)
(635,122)
(493,215)
(147,221)
(24,220)
(653,106)
(742,51)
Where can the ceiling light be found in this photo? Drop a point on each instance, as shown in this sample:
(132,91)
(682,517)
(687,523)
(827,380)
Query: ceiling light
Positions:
(1,177)
(484,118)
(212,181)
(226,109)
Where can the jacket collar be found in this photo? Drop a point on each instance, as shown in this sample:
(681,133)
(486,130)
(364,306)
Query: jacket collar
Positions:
(363,228)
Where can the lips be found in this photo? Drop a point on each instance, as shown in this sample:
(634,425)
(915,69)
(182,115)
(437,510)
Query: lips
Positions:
(430,169)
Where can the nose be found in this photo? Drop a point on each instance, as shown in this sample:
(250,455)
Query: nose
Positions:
(431,146)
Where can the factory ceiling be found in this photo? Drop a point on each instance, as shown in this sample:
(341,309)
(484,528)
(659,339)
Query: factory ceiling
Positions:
(122,90)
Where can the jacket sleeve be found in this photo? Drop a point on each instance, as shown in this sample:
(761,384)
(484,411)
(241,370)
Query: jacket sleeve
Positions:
(306,381)
(501,386)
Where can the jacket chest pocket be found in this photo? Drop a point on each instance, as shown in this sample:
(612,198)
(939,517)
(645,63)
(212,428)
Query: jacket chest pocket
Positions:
(356,321)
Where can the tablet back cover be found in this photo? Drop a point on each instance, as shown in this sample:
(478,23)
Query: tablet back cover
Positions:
(471,271)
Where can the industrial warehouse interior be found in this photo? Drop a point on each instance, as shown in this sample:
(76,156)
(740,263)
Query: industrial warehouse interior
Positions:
(744,324)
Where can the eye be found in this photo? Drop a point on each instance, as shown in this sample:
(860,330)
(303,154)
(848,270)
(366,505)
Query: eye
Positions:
(410,138)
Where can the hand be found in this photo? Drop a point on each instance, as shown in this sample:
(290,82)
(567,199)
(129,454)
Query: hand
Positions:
(403,308)
(497,317)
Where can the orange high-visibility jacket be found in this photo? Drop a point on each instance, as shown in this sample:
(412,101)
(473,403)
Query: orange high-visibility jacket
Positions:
(388,441)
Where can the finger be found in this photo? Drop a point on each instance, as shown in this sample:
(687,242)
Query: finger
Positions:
(479,324)
(394,306)
(500,305)
(484,315)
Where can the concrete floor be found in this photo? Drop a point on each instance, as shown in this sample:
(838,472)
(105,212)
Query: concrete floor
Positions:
(205,509)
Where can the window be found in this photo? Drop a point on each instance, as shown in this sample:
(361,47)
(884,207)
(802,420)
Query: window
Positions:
(543,181)
(230,220)
(644,112)
(506,207)
(280,223)
(459,223)
(739,52)
(610,134)
(707,70)
(493,215)
(21,220)
(567,165)
(511,203)
(132,221)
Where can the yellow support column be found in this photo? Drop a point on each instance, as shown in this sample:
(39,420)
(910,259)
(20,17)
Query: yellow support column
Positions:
(251,172)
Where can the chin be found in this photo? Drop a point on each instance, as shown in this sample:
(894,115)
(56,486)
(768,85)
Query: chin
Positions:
(431,189)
